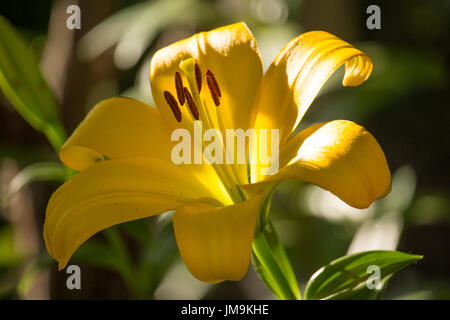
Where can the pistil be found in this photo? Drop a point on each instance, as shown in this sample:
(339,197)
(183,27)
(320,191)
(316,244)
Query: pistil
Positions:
(202,112)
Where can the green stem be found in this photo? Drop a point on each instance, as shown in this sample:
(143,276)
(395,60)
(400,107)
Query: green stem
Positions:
(269,257)
(273,275)
(56,134)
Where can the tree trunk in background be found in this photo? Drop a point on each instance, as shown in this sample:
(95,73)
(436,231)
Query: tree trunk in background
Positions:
(72,81)
(71,78)
(21,215)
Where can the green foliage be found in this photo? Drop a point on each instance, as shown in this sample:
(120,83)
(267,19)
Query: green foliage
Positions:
(24,85)
(132,31)
(142,276)
(347,273)
(8,255)
(41,171)
(272,264)
(32,271)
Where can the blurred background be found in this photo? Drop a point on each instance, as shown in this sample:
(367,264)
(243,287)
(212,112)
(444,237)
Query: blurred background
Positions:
(404,104)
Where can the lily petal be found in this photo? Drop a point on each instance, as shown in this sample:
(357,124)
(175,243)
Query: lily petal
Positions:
(216,242)
(117,128)
(339,156)
(113,192)
(231,53)
(298,72)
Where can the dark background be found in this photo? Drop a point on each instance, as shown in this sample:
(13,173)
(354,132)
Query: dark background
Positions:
(405,105)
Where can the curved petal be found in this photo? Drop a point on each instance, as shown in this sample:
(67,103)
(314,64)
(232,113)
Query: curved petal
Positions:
(298,72)
(231,53)
(216,242)
(339,156)
(113,192)
(117,128)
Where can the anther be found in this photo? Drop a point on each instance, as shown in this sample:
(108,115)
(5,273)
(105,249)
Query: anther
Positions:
(198,77)
(191,104)
(213,87)
(179,87)
(172,102)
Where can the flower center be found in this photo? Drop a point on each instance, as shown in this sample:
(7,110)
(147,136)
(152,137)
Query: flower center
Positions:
(203,107)
(192,97)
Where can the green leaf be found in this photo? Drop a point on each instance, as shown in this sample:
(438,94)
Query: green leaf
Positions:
(142,276)
(43,171)
(31,272)
(24,85)
(112,255)
(362,292)
(272,265)
(281,257)
(8,255)
(348,272)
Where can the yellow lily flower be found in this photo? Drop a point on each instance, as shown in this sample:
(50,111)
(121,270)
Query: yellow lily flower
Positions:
(218,77)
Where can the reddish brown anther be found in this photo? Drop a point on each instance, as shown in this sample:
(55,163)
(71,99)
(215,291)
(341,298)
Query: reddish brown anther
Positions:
(198,77)
(213,87)
(209,74)
(172,102)
(191,104)
(179,87)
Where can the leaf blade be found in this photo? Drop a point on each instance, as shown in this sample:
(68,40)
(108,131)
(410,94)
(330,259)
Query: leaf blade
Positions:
(269,269)
(25,87)
(350,271)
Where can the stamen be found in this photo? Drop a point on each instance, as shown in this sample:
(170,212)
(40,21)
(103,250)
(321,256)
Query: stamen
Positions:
(191,104)
(213,87)
(172,102)
(214,81)
(179,87)
(198,77)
